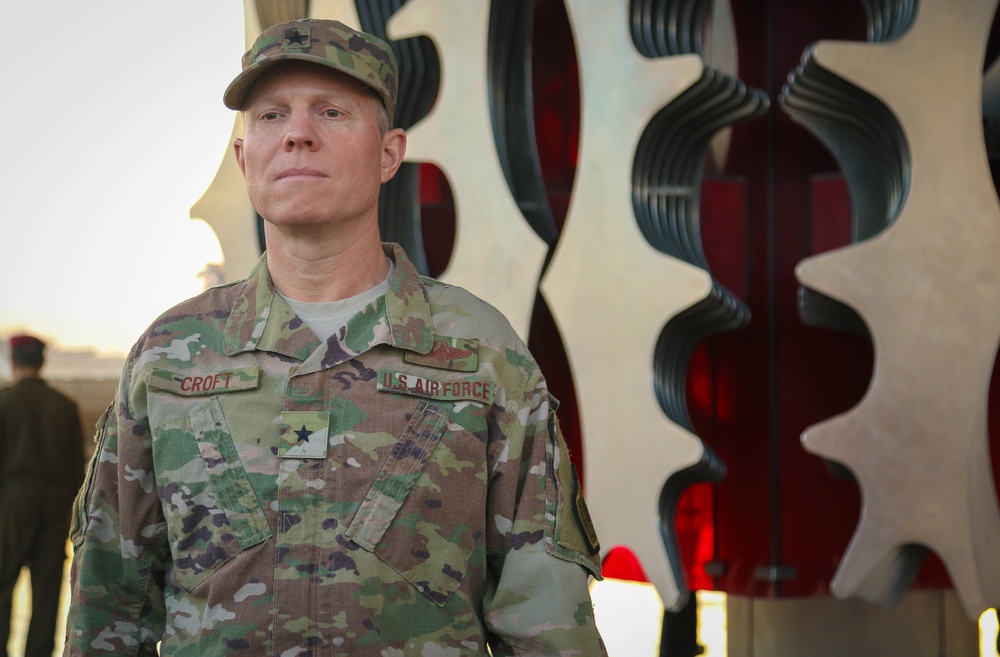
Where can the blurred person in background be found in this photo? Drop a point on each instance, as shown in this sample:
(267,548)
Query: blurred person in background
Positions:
(41,468)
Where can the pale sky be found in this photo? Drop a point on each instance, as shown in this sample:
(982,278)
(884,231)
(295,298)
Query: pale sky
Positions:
(112,127)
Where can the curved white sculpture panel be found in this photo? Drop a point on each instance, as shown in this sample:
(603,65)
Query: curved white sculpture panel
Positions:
(612,293)
(496,254)
(928,287)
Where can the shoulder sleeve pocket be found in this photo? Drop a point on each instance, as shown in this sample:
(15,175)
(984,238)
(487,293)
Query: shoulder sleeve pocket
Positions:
(574,536)
(78,522)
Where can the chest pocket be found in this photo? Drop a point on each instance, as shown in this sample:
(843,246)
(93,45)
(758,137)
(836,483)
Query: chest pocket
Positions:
(425,514)
(211,509)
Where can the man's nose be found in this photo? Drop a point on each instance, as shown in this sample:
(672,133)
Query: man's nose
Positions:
(301,134)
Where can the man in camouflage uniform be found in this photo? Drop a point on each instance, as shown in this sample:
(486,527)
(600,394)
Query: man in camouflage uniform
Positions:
(41,443)
(334,456)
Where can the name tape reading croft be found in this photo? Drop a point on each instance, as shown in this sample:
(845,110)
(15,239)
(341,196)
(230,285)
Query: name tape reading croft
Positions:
(244,378)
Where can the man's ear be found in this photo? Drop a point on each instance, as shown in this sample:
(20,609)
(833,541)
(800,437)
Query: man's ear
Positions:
(238,151)
(393,150)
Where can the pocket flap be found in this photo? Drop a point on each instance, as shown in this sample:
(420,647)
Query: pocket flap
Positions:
(397,477)
(225,471)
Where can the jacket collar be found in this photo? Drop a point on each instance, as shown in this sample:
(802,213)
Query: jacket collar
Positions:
(262,320)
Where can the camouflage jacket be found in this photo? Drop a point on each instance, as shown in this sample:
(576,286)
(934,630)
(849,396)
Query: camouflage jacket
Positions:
(401,490)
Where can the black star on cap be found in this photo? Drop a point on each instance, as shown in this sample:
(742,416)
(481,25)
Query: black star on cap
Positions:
(303,434)
(295,37)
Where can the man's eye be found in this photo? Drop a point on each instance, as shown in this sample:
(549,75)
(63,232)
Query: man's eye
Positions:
(332,113)
(269,116)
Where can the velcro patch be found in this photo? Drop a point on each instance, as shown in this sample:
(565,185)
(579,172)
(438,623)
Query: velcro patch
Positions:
(304,434)
(574,528)
(583,516)
(457,354)
(470,389)
(195,385)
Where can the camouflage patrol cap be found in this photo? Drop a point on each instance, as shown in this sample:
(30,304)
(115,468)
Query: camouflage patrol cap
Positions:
(325,42)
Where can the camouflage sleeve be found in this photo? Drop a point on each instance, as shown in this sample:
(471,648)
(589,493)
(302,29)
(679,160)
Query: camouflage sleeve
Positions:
(75,456)
(116,580)
(540,543)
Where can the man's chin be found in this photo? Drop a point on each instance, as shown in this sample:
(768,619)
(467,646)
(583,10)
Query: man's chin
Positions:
(305,226)
(304,219)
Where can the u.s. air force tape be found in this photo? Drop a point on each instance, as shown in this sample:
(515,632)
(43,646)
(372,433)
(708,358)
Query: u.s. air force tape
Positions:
(464,389)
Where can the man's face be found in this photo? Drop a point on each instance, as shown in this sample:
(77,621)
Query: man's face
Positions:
(312,153)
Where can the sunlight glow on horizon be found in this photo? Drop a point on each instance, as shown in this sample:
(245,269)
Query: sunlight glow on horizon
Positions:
(114,127)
